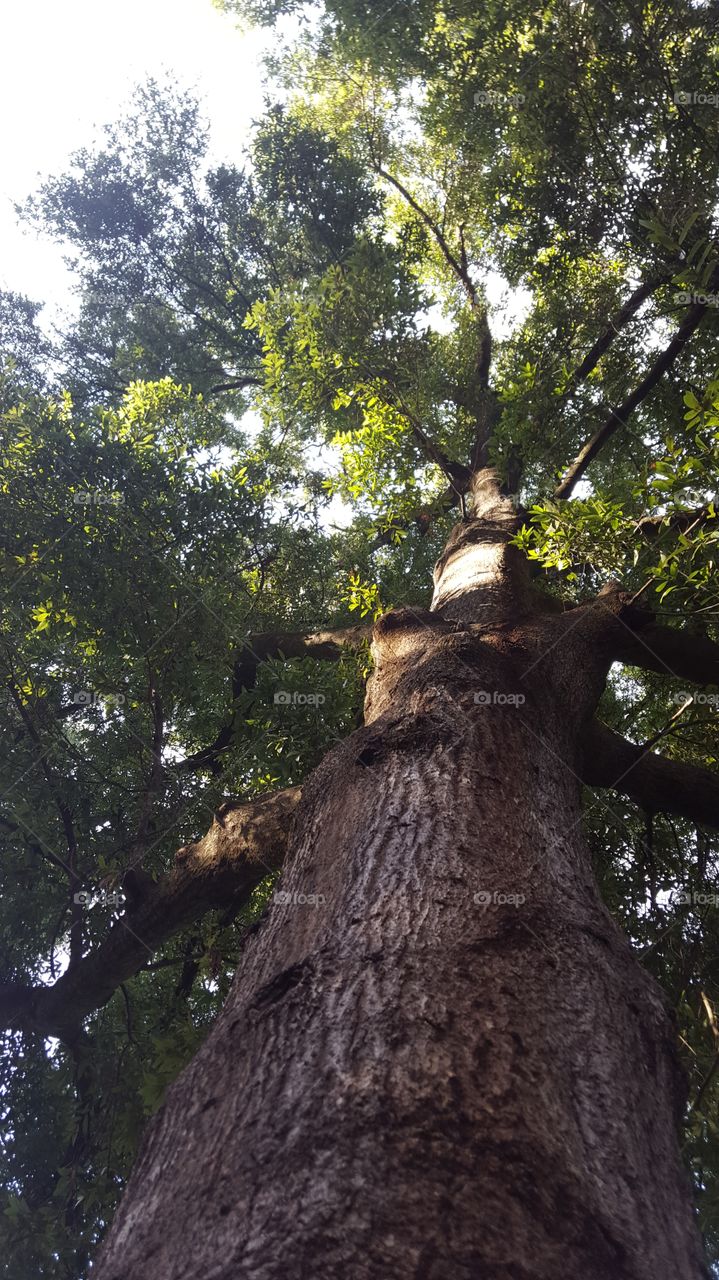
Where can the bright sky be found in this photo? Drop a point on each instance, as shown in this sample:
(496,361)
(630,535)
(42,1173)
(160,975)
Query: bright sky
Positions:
(69,66)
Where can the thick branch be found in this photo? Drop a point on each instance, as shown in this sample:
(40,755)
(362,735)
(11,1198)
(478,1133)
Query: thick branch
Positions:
(324,646)
(244,843)
(676,522)
(154,779)
(66,818)
(479,390)
(674,653)
(618,416)
(458,475)
(459,267)
(657,784)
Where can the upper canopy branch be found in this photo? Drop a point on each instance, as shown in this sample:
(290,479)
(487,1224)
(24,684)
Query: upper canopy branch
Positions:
(423,517)
(236,384)
(618,416)
(458,475)
(456,265)
(676,521)
(459,266)
(618,322)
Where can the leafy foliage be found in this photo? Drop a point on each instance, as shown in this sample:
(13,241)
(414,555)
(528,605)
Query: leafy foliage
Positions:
(252,425)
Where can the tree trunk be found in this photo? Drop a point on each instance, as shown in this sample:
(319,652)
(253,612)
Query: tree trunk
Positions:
(439,1058)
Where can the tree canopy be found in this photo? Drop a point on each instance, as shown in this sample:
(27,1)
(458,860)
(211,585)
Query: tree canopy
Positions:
(457,234)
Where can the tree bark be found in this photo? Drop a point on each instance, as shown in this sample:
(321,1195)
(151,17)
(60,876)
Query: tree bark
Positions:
(439,1058)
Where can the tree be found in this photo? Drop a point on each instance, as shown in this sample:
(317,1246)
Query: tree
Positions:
(440,1055)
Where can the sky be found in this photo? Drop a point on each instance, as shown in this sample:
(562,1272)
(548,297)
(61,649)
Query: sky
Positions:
(69,66)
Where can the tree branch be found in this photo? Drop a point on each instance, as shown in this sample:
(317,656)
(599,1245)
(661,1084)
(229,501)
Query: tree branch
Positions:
(324,646)
(457,267)
(458,475)
(236,385)
(676,521)
(657,784)
(244,844)
(460,269)
(618,416)
(670,652)
(154,779)
(423,517)
(66,818)
(618,322)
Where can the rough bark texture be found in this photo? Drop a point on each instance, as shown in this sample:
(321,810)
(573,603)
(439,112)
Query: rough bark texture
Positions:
(450,1065)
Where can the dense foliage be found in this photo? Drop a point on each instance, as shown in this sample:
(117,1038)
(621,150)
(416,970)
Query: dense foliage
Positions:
(257,421)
